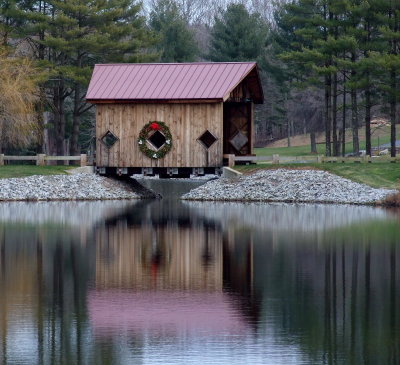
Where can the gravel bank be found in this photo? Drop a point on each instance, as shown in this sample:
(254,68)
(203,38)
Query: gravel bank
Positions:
(67,187)
(283,185)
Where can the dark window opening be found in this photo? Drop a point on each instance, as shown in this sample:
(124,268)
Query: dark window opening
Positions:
(207,139)
(109,139)
(157,139)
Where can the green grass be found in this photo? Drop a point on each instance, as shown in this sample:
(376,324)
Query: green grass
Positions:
(288,151)
(306,150)
(385,175)
(9,171)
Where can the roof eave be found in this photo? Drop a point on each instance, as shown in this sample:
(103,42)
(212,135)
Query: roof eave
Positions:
(153,101)
(259,100)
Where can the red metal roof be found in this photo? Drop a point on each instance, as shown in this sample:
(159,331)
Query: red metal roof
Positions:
(164,312)
(169,81)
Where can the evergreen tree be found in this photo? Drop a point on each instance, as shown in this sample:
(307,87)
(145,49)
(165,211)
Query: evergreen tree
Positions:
(314,50)
(237,35)
(70,37)
(176,41)
(11,19)
(389,60)
(369,41)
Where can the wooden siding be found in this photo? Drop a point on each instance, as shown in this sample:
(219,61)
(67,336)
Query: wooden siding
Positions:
(187,122)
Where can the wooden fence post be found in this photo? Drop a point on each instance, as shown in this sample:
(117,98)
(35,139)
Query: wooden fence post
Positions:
(83,160)
(41,159)
(1,159)
(275,159)
(367,158)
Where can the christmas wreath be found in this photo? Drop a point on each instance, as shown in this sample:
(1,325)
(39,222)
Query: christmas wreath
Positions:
(147,131)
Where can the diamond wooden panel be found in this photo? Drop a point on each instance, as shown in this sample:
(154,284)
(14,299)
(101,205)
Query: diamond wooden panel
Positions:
(207,139)
(238,141)
(109,139)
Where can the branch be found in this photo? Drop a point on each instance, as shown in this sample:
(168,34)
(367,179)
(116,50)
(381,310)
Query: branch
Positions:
(84,110)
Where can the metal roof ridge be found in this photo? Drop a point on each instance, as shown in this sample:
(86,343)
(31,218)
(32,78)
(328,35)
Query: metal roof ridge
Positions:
(176,63)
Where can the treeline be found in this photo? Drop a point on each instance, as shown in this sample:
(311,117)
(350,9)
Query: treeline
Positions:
(347,51)
(326,65)
(64,39)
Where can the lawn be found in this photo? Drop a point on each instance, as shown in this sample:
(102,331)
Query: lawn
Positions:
(9,171)
(306,150)
(385,175)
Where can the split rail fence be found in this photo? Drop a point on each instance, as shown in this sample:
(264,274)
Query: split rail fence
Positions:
(276,159)
(41,159)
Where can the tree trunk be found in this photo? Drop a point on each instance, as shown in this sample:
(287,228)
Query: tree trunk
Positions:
(74,146)
(354,109)
(393,85)
(344,117)
(41,121)
(59,118)
(313,142)
(335,96)
(334,117)
(328,122)
(354,121)
(368,107)
(393,109)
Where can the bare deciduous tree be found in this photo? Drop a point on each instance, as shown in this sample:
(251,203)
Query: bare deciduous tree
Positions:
(18,122)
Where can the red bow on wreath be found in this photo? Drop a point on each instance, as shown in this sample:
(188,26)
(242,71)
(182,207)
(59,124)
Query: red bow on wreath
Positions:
(155,126)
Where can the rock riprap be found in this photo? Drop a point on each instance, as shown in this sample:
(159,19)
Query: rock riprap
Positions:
(65,187)
(283,185)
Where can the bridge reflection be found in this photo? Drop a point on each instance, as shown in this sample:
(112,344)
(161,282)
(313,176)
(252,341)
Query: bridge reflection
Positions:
(113,280)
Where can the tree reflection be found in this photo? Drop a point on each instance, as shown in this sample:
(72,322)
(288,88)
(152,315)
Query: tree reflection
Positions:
(157,270)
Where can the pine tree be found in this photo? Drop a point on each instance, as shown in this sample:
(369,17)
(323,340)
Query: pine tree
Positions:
(176,41)
(237,35)
(369,41)
(314,51)
(70,37)
(389,60)
(281,77)
(10,19)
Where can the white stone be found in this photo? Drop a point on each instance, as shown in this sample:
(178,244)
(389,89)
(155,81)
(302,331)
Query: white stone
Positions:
(65,187)
(285,185)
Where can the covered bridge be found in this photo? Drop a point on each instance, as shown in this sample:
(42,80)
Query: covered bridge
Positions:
(173,119)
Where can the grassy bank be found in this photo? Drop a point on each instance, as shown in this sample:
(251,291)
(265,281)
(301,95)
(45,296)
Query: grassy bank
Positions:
(300,150)
(378,175)
(10,171)
(383,174)
(305,150)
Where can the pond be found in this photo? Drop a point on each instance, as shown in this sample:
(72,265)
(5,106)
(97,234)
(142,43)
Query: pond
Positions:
(170,282)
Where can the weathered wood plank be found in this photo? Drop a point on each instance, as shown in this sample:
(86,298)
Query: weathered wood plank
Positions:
(316,159)
(42,158)
(62,158)
(20,158)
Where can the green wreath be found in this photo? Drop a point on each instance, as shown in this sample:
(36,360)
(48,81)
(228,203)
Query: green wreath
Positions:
(144,135)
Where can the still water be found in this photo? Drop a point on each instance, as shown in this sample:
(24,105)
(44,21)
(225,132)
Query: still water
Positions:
(169,282)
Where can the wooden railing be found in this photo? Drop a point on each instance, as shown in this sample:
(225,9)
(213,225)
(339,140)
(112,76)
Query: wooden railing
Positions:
(276,159)
(41,159)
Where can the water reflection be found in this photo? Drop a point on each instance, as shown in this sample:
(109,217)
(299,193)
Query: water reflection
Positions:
(170,282)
